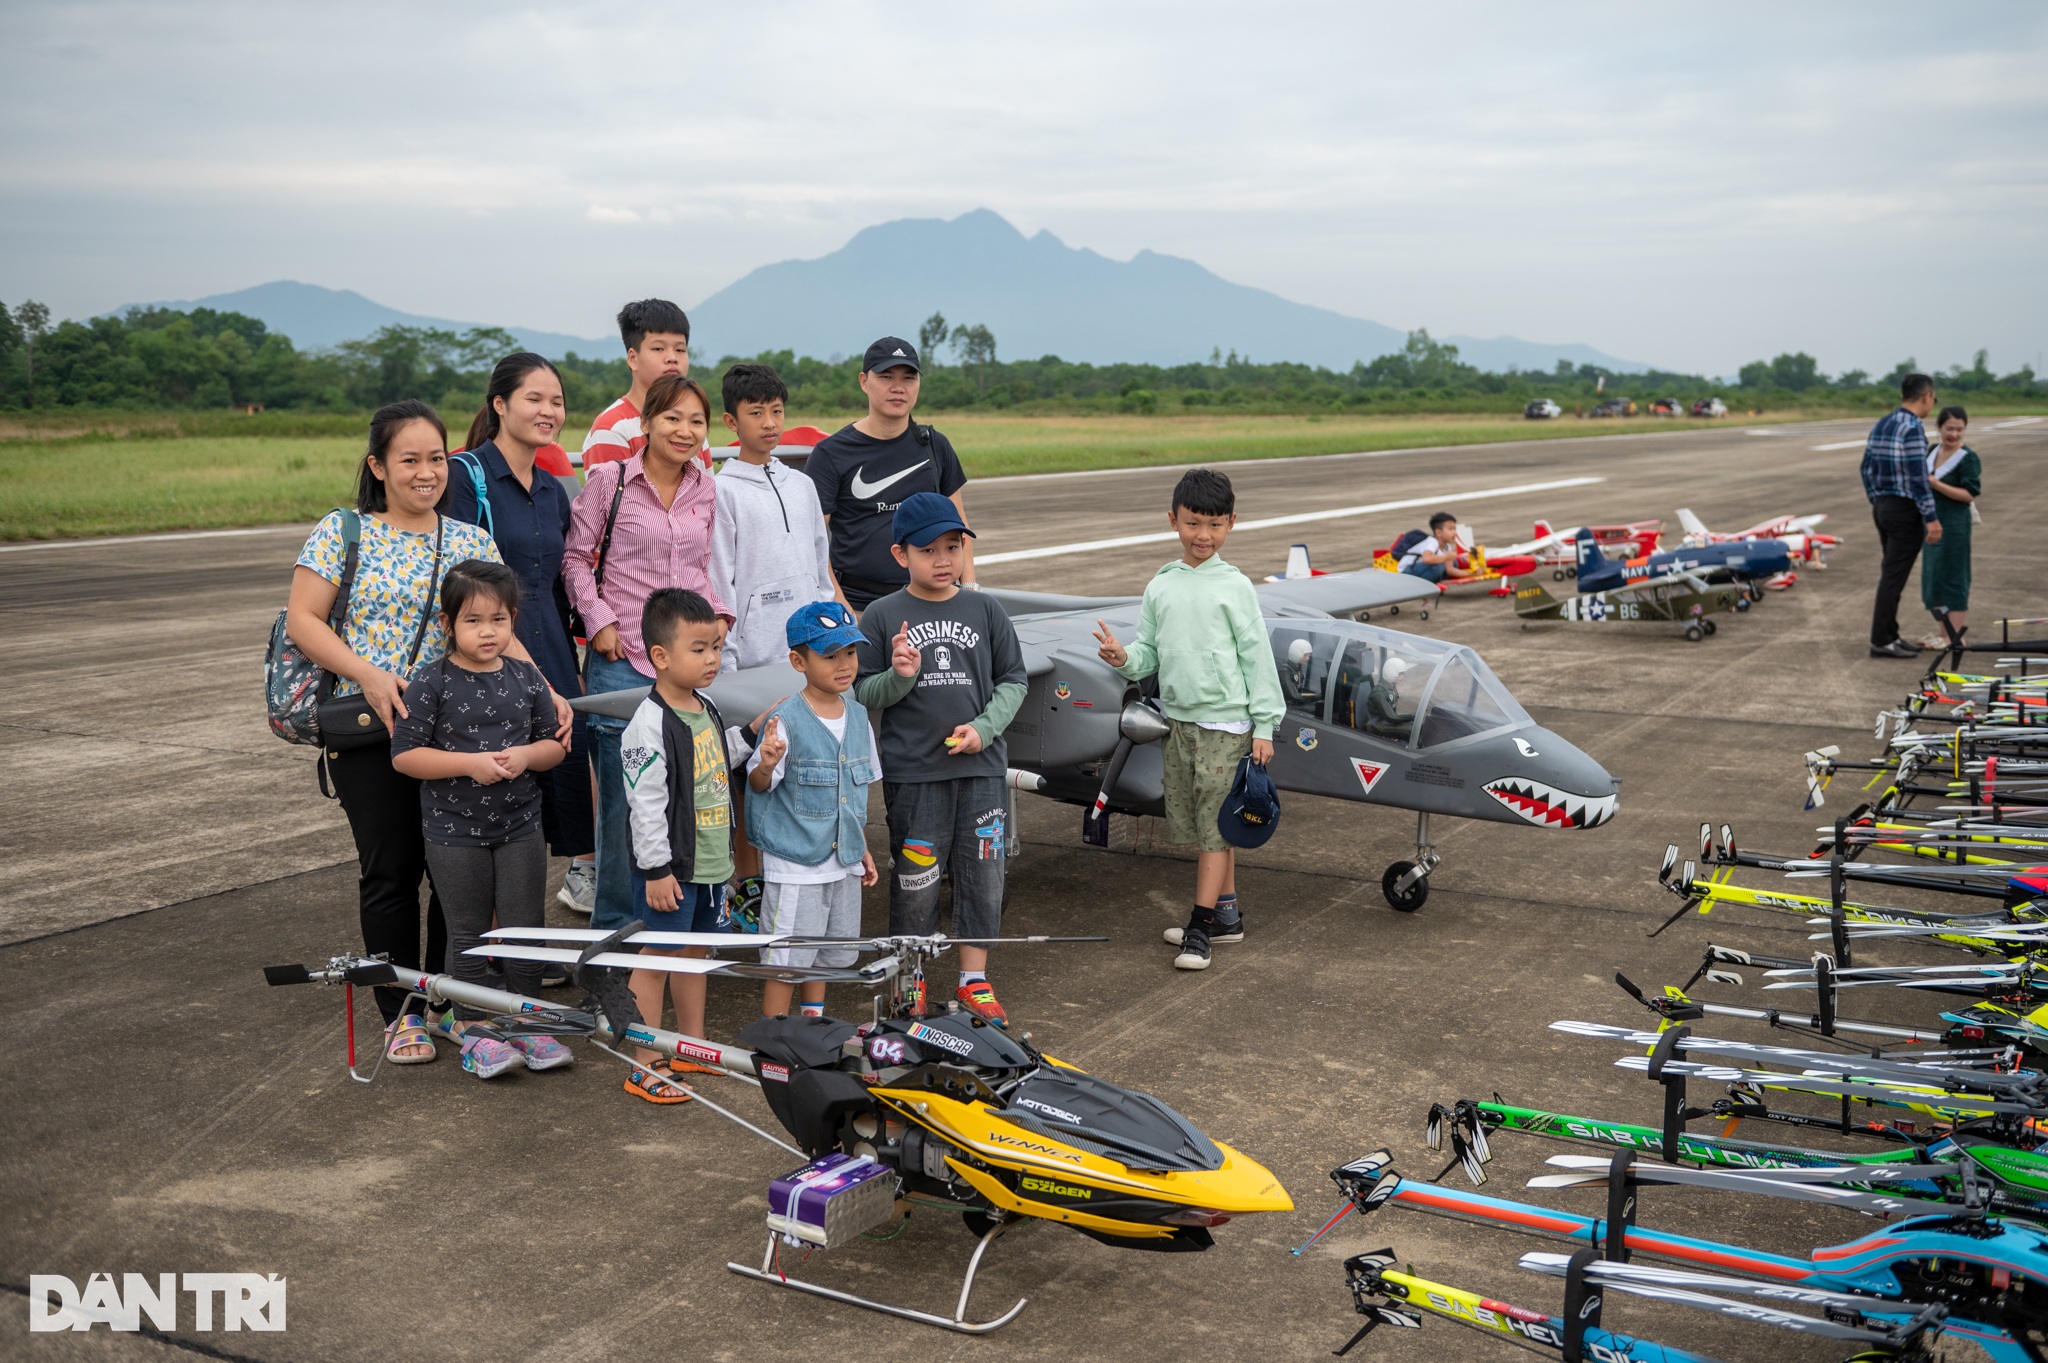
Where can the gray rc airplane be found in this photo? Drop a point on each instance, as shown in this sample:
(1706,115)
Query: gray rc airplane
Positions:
(1373,715)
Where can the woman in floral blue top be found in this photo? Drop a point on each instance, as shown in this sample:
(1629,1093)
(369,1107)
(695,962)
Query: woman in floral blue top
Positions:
(406,544)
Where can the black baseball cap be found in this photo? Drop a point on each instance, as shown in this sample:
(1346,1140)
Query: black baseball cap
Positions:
(889,352)
(1251,811)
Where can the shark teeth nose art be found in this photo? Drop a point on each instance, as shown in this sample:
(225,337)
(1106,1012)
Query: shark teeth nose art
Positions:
(1549,807)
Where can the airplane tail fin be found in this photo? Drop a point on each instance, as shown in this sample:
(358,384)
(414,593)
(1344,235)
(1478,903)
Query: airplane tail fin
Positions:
(1591,560)
(1466,536)
(1297,562)
(1543,530)
(1692,524)
(1534,603)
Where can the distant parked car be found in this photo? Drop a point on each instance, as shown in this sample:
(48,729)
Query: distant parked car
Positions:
(1542,409)
(1667,407)
(1710,407)
(1614,407)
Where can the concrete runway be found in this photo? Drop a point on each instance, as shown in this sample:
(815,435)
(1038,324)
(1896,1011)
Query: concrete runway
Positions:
(168,1113)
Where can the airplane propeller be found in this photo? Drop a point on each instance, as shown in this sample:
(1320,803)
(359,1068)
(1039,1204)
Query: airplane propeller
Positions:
(1138,722)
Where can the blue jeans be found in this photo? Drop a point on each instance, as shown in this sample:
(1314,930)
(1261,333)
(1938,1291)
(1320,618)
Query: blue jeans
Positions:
(1428,572)
(614,908)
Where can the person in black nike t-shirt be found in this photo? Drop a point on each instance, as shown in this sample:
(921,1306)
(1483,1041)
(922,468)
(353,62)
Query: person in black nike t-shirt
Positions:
(864,471)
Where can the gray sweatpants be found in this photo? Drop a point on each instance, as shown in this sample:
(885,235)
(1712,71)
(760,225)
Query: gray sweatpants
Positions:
(955,826)
(507,883)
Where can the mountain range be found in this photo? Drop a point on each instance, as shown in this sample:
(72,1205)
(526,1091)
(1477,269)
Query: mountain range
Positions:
(1038,296)
(317,318)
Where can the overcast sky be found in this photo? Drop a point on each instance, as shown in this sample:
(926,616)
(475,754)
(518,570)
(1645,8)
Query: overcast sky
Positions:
(1695,189)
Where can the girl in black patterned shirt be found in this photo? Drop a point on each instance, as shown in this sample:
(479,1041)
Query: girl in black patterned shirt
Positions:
(479,724)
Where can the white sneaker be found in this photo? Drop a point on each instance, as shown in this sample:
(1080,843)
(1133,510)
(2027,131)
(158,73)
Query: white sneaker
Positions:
(579,888)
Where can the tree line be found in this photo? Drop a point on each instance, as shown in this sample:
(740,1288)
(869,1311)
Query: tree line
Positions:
(201,359)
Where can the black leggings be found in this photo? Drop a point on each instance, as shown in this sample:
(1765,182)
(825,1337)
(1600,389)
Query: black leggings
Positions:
(383,807)
(487,887)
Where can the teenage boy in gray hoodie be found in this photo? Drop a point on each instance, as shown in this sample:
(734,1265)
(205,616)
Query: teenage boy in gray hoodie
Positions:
(769,552)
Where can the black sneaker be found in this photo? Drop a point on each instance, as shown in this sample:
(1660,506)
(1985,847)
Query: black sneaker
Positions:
(1897,648)
(1229,929)
(1194,948)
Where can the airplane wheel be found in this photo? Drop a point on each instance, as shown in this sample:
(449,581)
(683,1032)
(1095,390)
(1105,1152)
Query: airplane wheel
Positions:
(1364,617)
(1557,574)
(1709,626)
(1417,894)
(1694,633)
(1741,603)
(1393,610)
(1571,573)
(1756,593)
(1425,615)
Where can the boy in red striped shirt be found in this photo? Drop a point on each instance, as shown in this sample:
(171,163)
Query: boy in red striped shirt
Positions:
(657,337)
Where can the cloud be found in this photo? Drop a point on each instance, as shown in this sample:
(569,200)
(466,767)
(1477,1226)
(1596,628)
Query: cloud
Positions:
(1691,187)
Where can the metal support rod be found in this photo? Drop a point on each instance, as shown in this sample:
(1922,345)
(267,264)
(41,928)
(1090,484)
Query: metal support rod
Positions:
(448,989)
(680,1087)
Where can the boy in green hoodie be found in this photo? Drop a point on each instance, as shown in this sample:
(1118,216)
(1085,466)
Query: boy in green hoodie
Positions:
(1199,630)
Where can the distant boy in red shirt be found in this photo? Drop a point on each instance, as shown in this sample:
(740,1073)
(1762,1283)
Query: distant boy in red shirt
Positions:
(657,337)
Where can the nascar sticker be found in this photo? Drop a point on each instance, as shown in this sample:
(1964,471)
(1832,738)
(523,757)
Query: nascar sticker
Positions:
(945,1041)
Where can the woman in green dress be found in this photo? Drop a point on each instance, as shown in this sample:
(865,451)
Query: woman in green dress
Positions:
(1954,473)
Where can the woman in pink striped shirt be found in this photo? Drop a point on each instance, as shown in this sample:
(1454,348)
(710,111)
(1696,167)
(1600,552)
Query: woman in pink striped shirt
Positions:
(658,536)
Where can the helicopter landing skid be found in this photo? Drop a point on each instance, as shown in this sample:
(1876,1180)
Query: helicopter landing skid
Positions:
(769,1273)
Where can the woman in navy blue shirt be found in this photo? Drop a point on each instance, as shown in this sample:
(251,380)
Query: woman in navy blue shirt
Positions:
(526,510)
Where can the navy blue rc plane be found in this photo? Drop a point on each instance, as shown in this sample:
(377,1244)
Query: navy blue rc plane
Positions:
(1744,561)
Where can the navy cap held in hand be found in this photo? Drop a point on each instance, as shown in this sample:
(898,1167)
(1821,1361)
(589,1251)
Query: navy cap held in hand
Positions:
(1251,811)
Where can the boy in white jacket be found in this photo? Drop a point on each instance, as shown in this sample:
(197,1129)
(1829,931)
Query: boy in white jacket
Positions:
(769,551)
(769,555)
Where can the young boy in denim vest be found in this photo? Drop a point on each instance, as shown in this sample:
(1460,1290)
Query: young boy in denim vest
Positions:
(809,784)
(1200,631)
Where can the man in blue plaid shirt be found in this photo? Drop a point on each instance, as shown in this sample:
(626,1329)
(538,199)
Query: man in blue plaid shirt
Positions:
(1895,480)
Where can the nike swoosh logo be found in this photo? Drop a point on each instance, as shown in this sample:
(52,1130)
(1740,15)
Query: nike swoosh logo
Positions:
(862,489)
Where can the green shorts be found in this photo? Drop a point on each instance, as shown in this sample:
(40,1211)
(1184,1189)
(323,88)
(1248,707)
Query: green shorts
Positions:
(1200,765)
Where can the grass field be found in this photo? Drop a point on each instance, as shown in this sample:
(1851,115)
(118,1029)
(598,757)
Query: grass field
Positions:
(134,474)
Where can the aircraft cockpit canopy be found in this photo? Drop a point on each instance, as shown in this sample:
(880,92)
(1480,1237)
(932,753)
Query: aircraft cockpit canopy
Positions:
(1399,688)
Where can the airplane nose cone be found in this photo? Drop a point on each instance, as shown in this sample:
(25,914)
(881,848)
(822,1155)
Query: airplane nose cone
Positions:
(1548,782)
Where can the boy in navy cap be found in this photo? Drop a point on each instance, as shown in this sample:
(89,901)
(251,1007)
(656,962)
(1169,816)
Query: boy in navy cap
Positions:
(944,668)
(809,780)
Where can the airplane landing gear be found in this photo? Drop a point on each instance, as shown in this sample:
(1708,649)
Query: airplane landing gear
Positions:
(1406,883)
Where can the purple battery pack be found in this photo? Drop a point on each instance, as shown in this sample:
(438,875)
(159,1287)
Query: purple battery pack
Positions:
(831,1200)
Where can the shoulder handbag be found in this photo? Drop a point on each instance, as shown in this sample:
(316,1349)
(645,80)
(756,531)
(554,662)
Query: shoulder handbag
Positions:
(577,629)
(293,686)
(348,721)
